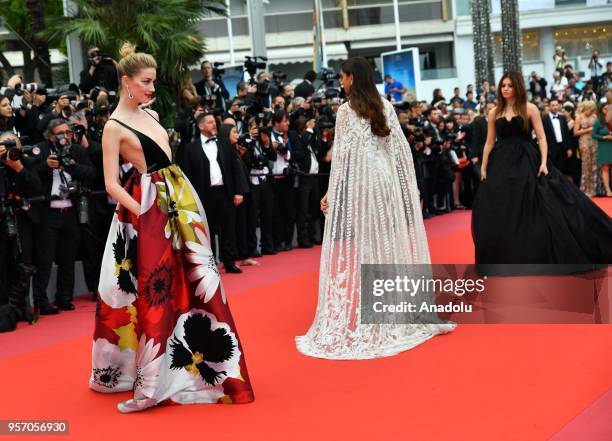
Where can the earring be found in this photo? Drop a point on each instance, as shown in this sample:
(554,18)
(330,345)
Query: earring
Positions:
(130,96)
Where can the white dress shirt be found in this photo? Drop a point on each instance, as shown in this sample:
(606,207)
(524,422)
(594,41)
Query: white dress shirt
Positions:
(314,164)
(282,161)
(55,191)
(556,126)
(211,150)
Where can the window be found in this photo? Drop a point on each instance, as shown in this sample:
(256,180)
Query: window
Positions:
(581,41)
(531,47)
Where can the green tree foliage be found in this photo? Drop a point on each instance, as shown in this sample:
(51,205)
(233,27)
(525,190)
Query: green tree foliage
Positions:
(166,29)
(25,19)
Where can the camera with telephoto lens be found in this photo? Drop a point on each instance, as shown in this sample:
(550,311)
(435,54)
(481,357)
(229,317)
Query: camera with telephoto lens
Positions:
(14,153)
(37,88)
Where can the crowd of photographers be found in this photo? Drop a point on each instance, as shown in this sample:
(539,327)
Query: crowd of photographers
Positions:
(53,207)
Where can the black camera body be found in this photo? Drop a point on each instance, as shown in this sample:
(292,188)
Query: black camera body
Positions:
(251,64)
(78,131)
(217,72)
(63,153)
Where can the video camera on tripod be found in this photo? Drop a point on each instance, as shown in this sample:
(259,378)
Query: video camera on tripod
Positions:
(331,84)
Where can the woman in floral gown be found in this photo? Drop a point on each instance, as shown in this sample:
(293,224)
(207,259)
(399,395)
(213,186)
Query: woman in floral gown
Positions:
(163,326)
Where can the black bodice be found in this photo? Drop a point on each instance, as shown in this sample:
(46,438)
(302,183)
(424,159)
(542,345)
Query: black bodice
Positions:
(155,157)
(511,128)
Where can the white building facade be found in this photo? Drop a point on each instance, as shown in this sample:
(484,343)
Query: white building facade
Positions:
(441,29)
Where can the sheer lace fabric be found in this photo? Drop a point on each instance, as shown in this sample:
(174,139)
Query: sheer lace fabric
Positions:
(374,217)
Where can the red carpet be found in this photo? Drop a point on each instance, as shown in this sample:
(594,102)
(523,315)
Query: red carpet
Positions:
(482,382)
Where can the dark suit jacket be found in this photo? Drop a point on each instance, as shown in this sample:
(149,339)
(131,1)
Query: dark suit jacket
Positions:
(479,131)
(300,154)
(82,171)
(196,166)
(304,89)
(549,131)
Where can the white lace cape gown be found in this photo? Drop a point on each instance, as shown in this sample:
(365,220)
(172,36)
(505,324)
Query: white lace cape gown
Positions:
(374,217)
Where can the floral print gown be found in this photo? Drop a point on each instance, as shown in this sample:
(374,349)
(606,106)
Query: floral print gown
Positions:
(163,326)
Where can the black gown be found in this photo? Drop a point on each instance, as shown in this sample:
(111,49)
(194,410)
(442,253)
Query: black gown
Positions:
(520,218)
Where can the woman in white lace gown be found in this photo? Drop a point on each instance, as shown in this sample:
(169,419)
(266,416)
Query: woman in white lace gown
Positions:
(374,217)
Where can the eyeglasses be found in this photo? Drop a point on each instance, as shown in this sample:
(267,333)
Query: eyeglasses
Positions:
(65,133)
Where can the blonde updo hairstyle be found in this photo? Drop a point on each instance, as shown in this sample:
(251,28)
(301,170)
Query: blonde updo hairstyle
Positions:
(132,62)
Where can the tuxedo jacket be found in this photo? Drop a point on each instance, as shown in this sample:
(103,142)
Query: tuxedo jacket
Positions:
(300,153)
(196,166)
(549,131)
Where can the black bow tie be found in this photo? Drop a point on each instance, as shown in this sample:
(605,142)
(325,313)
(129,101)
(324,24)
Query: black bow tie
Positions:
(211,139)
(280,135)
(555,116)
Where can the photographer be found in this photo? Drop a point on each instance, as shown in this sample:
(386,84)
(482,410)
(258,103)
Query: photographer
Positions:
(596,69)
(187,127)
(235,113)
(305,88)
(22,108)
(100,208)
(537,86)
(18,179)
(61,110)
(96,122)
(8,122)
(65,163)
(260,204)
(34,109)
(211,88)
(303,156)
(287,93)
(229,134)
(285,182)
(101,72)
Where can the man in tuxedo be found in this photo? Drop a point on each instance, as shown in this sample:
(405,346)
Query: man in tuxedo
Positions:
(285,181)
(58,233)
(304,146)
(305,88)
(187,127)
(557,134)
(210,165)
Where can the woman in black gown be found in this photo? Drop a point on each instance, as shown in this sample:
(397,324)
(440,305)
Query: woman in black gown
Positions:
(526,211)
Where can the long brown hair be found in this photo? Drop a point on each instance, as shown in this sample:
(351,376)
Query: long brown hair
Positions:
(520,98)
(364,97)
